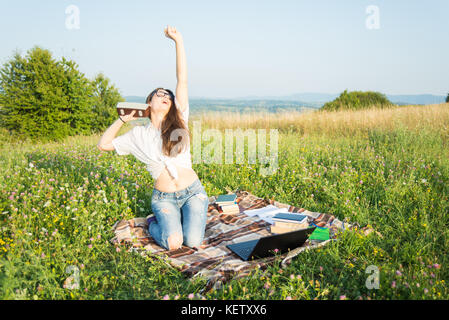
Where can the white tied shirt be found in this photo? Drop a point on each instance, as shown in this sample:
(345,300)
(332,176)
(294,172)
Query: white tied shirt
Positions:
(145,143)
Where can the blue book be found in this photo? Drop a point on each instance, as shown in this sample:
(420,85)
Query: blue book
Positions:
(290,217)
(226,198)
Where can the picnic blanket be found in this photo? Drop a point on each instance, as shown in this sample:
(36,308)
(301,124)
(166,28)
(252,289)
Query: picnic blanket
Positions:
(213,260)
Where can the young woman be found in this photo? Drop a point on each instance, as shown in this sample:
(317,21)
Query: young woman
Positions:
(179,200)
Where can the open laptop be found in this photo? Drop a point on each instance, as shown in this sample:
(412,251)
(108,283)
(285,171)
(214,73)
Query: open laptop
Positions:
(265,246)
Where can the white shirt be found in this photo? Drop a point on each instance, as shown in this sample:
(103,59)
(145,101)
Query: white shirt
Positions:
(145,143)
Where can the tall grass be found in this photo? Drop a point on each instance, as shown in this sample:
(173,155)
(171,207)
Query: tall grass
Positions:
(338,123)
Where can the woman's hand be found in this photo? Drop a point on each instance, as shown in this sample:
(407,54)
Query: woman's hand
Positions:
(172,33)
(129,117)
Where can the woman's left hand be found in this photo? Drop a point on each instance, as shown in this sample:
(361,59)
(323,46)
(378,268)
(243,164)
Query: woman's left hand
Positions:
(172,33)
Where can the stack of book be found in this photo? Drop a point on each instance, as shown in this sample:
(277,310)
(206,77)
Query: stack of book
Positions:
(287,222)
(227,203)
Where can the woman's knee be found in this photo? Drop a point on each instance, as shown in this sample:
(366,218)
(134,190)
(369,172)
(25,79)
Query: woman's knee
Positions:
(174,241)
(193,240)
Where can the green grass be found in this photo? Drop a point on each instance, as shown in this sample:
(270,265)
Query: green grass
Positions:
(59,201)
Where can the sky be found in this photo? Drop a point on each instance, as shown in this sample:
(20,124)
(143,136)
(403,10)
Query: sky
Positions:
(239,48)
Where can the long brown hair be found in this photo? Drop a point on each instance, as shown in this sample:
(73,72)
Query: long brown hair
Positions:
(174,131)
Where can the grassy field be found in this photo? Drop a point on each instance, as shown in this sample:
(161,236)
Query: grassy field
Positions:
(388,169)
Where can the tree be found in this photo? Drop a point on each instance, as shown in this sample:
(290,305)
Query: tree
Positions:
(106,97)
(44,99)
(447,98)
(358,100)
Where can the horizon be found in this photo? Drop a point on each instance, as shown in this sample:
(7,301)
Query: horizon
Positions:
(244,49)
(294,94)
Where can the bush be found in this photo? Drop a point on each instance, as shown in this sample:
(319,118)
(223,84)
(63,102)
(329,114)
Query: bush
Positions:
(447,98)
(358,100)
(42,98)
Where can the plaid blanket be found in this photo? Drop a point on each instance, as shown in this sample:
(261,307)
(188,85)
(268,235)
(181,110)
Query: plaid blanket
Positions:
(213,260)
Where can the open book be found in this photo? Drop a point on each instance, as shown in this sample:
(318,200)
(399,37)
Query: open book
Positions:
(266,213)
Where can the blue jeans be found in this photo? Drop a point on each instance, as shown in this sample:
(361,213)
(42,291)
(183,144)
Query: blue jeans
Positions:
(180,216)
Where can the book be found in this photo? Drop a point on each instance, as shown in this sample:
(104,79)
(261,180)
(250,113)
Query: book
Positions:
(230,207)
(142,109)
(320,234)
(289,217)
(225,199)
(233,208)
(231,212)
(290,225)
(282,229)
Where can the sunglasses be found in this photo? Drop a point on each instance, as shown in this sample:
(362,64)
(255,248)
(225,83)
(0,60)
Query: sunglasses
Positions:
(162,94)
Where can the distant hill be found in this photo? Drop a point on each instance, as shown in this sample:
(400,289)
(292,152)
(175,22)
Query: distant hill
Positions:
(240,105)
(416,99)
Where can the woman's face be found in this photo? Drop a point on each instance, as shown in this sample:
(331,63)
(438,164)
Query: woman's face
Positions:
(161,102)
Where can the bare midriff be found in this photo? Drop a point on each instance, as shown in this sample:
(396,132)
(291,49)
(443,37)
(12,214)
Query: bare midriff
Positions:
(166,183)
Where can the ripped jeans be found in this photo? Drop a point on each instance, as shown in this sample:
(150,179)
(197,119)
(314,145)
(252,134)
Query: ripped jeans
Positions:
(180,216)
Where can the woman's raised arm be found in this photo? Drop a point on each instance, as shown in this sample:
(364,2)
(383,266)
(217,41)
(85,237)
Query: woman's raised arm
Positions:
(181,67)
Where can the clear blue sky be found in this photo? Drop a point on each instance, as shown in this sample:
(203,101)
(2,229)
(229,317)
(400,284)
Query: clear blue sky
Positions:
(239,48)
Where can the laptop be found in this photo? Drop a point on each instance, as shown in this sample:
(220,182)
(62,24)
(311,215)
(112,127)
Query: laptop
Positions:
(265,246)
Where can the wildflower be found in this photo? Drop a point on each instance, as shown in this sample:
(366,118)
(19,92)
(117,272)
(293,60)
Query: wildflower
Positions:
(393,284)
(426,290)
(116,249)
(342,297)
(266,285)
(436,266)
(89,246)
(166,297)
(398,273)
(292,276)
(190,296)
(288,298)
